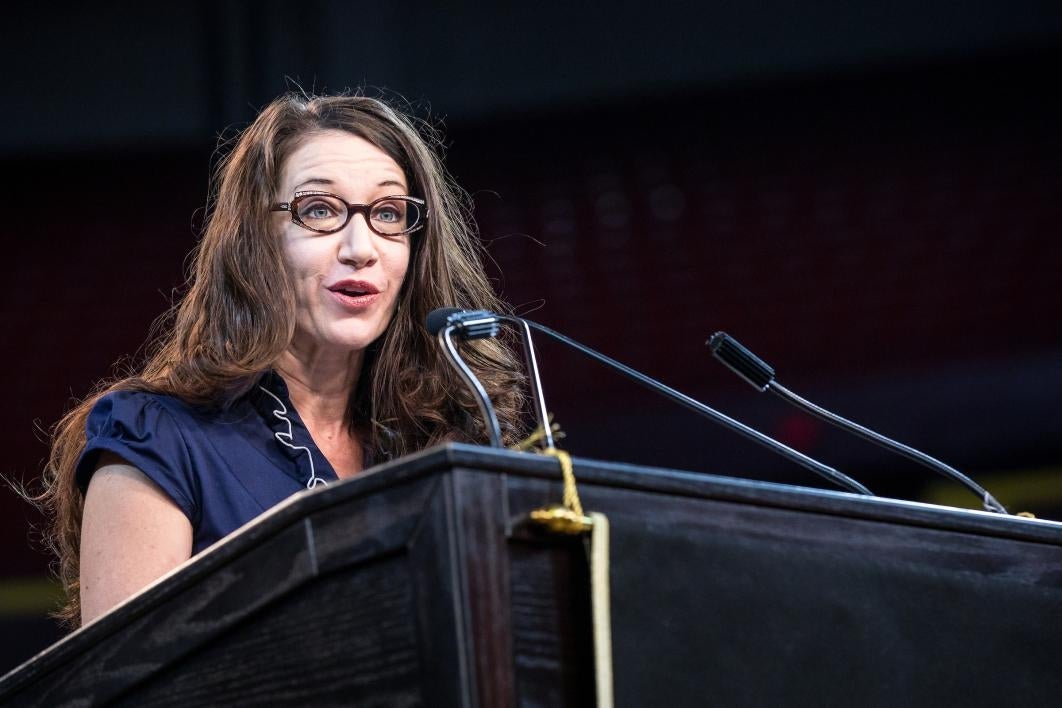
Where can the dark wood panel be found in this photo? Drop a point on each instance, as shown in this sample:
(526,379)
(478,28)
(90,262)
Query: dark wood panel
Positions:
(744,604)
(552,642)
(445,644)
(349,638)
(483,565)
(310,534)
(352,528)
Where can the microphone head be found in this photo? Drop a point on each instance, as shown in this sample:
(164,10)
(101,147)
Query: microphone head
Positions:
(436,319)
(741,361)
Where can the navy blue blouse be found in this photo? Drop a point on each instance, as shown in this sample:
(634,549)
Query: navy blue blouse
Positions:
(221,467)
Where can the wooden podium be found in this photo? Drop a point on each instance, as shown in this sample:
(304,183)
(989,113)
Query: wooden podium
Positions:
(420,583)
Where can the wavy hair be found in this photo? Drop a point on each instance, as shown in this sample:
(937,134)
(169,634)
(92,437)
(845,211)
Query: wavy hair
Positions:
(233,321)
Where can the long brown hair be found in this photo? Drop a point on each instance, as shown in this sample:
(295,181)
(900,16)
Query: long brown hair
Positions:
(238,313)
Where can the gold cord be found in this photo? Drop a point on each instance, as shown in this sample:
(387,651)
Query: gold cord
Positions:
(537,436)
(571,494)
(569,518)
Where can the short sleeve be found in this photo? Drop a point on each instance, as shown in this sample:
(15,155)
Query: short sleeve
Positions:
(136,426)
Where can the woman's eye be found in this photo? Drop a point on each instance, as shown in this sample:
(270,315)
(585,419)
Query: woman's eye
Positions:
(317,210)
(388,214)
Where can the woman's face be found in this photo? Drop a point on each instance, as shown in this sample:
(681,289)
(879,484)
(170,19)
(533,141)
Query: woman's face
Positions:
(346,283)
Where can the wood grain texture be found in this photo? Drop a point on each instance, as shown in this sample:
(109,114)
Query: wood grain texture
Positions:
(553,644)
(348,638)
(756,605)
(443,640)
(483,564)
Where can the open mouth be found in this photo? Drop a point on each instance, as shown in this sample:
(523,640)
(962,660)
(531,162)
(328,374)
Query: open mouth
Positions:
(354,294)
(351,292)
(354,288)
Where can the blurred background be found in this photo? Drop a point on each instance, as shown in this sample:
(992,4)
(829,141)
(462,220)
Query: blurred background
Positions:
(867,195)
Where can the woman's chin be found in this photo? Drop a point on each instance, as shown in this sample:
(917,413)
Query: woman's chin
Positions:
(349,345)
(334,343)
(359,340)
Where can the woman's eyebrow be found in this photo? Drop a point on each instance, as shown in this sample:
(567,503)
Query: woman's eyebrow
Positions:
(315,180)
(329,182)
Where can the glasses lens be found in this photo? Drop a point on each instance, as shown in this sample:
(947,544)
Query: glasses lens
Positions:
(321,212)
(395,216)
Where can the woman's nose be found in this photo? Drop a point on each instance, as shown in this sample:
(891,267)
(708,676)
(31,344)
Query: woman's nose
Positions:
(357,244)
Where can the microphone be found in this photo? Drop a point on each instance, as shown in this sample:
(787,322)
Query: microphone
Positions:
(761,376)
(470,324)
(476,324)
(826,471)
(436,319)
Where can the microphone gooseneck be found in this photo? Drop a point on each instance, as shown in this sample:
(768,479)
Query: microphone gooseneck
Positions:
(761,376)
(469,324)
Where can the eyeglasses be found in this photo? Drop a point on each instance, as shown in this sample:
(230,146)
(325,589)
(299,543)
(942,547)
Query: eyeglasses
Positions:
(326,213)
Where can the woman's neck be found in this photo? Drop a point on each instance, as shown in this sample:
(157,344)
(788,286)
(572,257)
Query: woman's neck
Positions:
(320,385)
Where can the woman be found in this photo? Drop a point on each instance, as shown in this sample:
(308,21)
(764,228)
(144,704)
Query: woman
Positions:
(296,357)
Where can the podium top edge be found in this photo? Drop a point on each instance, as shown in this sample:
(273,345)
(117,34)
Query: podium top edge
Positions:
(704,485)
